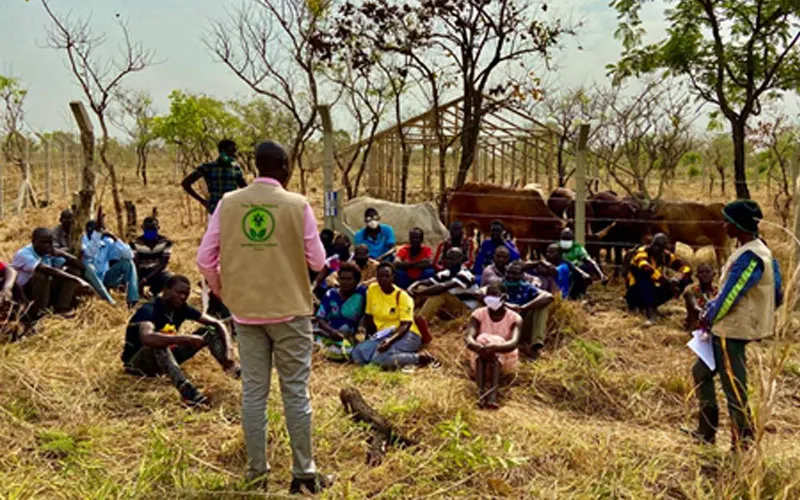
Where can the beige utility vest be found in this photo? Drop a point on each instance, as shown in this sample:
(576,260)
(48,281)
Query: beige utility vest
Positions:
(753,316)
(262,253)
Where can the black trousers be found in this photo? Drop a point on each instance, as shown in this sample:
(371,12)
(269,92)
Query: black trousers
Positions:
(151,362)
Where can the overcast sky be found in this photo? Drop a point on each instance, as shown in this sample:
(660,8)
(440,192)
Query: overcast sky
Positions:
(175,28)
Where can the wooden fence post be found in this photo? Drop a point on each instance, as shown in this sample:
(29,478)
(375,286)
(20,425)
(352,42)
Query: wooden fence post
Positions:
(580,185)
(64,160)
(550,159)
(84,201)
(48,164)
(2,190)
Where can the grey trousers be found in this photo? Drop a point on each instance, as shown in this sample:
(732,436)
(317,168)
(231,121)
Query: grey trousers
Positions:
(289,345)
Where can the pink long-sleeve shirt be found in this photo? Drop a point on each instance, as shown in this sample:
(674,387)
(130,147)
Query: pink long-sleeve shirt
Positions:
(208,254)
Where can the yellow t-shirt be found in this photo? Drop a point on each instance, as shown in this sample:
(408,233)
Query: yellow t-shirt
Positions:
(387,310)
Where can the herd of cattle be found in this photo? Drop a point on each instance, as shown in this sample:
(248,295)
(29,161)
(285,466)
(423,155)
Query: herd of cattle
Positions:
(614,222)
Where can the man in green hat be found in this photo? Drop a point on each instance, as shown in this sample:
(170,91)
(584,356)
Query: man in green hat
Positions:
(742,312)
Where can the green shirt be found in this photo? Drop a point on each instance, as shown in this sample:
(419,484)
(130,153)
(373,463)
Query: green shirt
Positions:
(576,254)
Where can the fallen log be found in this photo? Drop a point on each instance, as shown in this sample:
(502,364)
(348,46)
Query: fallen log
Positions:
(384,434)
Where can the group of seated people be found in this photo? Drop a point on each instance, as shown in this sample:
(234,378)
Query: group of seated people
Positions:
(392,292)
(49,274)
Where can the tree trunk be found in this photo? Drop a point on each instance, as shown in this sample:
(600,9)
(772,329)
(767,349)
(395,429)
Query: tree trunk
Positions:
(112,173)
(562,142)
(740,176)
(469,136)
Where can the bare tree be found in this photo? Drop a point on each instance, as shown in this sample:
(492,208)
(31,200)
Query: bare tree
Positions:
(564,112)
(15,144)
(98,78)
(775,140)
(645,134)
(13,114)
(267,46)
(136,118)
(718,152)
(366,99)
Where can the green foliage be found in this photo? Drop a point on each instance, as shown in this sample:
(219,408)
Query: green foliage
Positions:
(196,123)
(60,445)
(590,350)
(463,450)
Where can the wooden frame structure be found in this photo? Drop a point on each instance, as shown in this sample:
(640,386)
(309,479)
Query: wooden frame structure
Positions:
(512,149)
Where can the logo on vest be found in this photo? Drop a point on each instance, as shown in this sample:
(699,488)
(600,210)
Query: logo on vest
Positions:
(258,224)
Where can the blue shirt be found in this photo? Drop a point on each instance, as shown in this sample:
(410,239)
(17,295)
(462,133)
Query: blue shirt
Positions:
(521,292)
(25,262)
(486,255)
(384,241)
(100,250)
(743,274)
(343,315)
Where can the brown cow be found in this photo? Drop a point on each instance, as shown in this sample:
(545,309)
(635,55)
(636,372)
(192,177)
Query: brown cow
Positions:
(524,214)
(693,223)
(562,202)
(630,225)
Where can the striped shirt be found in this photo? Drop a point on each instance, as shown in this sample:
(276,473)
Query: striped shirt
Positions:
(150,256)
(649,265)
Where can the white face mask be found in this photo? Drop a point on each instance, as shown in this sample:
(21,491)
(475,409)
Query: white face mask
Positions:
(565,244)
(373,224)
(493,303)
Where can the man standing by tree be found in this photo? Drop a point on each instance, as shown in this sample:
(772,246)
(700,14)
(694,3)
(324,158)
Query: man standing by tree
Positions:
(742,312)
(256,252)
(222,175)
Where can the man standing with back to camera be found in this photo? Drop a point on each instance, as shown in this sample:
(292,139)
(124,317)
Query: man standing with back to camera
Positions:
(260,242)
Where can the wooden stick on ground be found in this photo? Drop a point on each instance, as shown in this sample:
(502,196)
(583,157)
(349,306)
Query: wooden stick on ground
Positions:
(384,433)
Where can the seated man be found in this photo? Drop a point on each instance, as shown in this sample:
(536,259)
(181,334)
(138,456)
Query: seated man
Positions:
(496,272)
(531,303)
(378,237)
(456,239)
(340,313)
(108,263)
(697,296)
(575,254)
(488,247)
(368,267)
(648,285)
(154,347)
(151,253)
(414,262)
(63,231)
(450,293)
(43,282)
(557,275)
(339,254)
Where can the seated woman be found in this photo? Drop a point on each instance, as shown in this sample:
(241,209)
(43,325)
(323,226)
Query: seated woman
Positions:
(340,313)
(393,339)
(493,334)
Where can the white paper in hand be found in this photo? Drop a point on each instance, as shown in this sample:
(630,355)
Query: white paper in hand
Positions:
(703,348)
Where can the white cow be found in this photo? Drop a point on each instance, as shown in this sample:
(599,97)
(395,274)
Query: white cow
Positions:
(402,218)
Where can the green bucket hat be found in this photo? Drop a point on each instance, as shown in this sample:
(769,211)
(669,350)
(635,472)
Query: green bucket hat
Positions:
(744,214)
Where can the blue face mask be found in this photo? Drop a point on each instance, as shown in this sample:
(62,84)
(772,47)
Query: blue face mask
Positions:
(151,234)
(512,284)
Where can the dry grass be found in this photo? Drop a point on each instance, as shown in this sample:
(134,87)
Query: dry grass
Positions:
(597,416)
